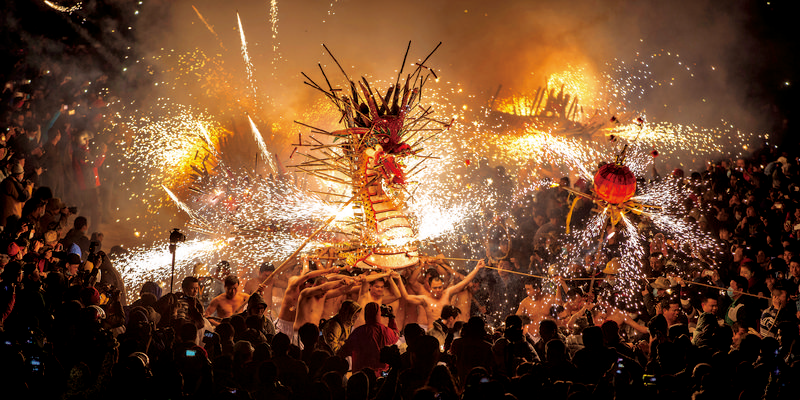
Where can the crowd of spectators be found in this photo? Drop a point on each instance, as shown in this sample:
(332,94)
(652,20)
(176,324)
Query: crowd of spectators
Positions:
(706,323)
(702,324)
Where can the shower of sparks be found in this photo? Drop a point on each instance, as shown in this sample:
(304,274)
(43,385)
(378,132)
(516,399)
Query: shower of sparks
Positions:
(248,64)
(667,197)
(632,253)
(251,219)
(265,154)
(154,262)
(162,148)
(240,216)
(575,81)
(181,205)
(210,28)
(273,23)
(547,148)
(64,9)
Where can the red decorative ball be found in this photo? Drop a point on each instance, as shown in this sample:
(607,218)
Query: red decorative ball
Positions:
(614,183)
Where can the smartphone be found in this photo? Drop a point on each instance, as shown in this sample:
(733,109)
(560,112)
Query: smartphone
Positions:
(620,366)
(191,353)
(35,363)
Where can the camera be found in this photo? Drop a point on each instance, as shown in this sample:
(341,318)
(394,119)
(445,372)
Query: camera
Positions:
(387,311)
(72,210)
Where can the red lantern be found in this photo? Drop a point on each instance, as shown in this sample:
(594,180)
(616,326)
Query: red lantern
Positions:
(614,183)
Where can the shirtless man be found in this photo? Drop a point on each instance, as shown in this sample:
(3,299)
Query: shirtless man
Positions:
(463,300)
(286,317)
(268,290)
(439,296)
(532,307)
(310,302)
(372,291)
(229,303)
(252,284)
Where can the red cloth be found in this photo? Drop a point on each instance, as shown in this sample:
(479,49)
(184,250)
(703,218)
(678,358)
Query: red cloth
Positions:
(364,345)
(85,168)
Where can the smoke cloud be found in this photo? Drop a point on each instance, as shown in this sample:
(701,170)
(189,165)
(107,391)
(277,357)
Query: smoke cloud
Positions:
(516,44)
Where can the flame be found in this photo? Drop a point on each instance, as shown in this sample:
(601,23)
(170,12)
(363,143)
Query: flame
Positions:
(574,81)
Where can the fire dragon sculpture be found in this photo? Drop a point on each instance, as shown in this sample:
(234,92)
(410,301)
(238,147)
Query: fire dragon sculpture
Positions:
(383,132)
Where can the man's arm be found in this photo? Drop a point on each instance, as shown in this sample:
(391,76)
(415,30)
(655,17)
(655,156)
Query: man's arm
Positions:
(413,299)
(523,308)
(395,291)
(299,280)
(321,289)
(416,280)
(367,279)
(391,334)
(212,307)
(244,303)
(467,279)
(345,288)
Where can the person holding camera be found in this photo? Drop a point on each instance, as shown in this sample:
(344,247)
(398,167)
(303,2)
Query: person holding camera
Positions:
(365,342)
(56,215)
(14,192)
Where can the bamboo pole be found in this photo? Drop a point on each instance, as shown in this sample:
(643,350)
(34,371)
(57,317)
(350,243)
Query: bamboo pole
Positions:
(586,279)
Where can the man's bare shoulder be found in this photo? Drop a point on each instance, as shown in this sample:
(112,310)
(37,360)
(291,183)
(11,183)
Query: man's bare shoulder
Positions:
(252,283)
(528,302)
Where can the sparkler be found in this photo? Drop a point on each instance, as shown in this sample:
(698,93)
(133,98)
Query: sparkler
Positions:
(273,21)
(64,9)
(209,27)
(247,63)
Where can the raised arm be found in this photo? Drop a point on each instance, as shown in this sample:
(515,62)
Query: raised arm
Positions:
(415,279)
(467,279)
(413,299)
(392,288)
(294,284)
(321,289)
(345,287)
